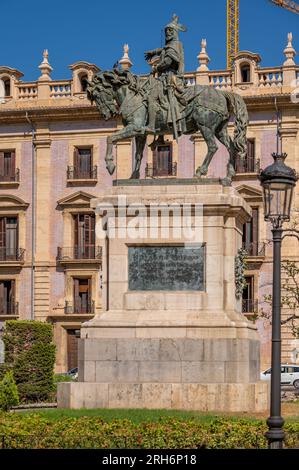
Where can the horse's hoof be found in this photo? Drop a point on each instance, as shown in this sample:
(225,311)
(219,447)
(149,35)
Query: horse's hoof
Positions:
(227,181)
(110,167)
(135,175)
(201,172)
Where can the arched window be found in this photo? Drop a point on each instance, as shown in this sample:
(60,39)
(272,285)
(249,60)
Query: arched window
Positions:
(7,89)
(245,73)
(83,83)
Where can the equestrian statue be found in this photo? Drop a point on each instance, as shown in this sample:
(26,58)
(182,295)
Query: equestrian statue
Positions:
(162,103)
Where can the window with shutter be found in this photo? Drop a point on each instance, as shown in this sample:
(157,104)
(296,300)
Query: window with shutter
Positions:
(84,236)
(7,166)
(8,238)
(2,238)
(82,295)
(248,295)
(162,161)
(248,165)
(76,296)
(7,297)
(11,238)
(2,298)
(250,157)
(250,234)
(83,163)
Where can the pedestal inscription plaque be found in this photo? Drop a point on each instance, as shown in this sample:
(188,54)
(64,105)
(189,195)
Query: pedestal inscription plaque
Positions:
(168,268)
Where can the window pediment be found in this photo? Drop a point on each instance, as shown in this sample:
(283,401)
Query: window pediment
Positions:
(8,201)
(250,194)
(78,199)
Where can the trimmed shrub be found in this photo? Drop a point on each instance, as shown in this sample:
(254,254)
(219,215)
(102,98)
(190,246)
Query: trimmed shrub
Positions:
(4,368)
(29,349)
(19,336)
(8,392)
(32,430)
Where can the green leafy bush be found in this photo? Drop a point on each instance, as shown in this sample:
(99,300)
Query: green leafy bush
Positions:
(19,336)
(31,353)
(8,392)
(4,368)
(33,430)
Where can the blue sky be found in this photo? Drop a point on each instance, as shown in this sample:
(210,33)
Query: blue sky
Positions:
(96,30)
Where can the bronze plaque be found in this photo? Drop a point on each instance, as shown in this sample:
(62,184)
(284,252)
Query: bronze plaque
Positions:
(168,268)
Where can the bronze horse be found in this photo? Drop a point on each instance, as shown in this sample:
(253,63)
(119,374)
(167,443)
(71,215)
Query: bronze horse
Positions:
(207,110)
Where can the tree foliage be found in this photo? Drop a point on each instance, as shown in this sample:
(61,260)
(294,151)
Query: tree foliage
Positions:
(31,354)
(289,296)
(9,395)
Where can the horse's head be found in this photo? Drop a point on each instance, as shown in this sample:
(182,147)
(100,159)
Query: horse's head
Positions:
(102,90)
(108,89)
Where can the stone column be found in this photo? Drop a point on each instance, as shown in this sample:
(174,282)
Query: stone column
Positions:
(42,221)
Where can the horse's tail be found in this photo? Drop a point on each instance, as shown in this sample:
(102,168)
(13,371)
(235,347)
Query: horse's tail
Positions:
(238,107)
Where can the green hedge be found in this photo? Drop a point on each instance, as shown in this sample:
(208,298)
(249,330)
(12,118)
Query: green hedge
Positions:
(4,368)
(30,352)
(19,336)
(8,392)
(36,431)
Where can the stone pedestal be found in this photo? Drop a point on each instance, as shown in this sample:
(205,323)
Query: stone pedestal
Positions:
(171,349)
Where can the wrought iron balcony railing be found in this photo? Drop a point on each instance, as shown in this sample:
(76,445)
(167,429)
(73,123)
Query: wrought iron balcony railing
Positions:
(152,170)
(249,165)
(12,254)
(15,178)
(9,308)
(79,307)
(255,249)
(88,252)
(249,306)
(74,173)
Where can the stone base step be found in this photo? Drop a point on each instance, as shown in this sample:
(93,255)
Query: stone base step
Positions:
(233,397)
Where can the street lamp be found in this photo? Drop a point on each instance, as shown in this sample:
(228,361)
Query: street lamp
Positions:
(278,182)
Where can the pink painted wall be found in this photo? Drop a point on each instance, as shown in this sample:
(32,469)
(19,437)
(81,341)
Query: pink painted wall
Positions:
(59,190)
(23,192)
(219,163)
(186,157)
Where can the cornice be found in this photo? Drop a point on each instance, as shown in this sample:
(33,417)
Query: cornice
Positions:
(289,132)
(78,111)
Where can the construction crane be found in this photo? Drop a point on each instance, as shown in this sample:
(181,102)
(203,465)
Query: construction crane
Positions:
(233,24)
(288,4)
(232,7)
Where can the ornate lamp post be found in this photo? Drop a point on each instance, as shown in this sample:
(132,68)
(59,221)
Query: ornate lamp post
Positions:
(278,182)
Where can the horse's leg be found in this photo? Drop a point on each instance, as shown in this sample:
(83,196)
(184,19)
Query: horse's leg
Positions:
(127,133)
(110,165)
(140,141)
(224,138)
(209,136)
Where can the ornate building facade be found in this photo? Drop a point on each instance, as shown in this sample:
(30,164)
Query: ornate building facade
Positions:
(52,149)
